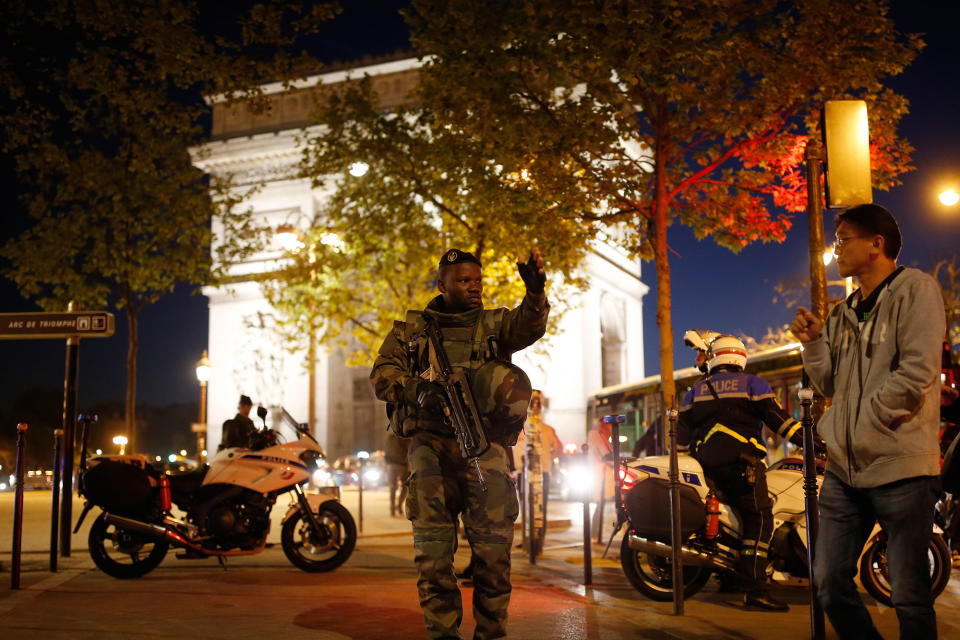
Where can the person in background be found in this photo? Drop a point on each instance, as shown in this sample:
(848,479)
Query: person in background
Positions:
(398,469)
(599,449)
(238,430)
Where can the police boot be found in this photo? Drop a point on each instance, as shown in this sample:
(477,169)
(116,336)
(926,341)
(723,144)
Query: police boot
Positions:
(760,599)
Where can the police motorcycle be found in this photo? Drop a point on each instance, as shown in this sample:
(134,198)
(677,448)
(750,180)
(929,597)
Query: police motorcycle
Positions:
(711,531)
(225,507)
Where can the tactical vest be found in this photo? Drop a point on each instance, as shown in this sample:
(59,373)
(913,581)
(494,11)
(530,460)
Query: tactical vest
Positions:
(467,347)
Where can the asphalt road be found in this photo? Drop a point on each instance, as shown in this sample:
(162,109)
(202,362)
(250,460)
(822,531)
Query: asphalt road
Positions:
(373,596)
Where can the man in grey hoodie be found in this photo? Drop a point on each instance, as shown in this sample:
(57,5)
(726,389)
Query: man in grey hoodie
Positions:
(877,358)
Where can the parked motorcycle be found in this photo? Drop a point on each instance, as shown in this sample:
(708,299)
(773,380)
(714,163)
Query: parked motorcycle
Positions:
(645,553)
(226,508)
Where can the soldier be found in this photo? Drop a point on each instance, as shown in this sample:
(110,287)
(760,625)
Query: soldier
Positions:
(442,487)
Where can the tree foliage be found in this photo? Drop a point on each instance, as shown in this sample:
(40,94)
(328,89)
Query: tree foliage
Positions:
(947,274)
(372,252)
(664,111)
(102,100)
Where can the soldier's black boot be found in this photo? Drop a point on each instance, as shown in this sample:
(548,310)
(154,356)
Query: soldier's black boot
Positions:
(760,599)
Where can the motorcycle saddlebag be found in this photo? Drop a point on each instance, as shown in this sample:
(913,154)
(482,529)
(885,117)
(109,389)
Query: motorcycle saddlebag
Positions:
(648,505)
(117,486)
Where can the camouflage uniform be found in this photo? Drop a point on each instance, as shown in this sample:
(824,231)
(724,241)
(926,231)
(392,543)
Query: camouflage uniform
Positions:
(442,487)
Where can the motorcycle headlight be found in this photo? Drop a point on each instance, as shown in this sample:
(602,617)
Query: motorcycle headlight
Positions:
(311,459)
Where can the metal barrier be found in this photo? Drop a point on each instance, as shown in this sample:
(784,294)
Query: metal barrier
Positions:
(587,542)
(55,497)
(18,508)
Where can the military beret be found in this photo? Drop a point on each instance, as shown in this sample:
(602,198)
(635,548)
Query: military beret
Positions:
(455,256)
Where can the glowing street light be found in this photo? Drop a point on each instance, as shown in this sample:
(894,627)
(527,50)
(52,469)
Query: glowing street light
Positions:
(289,237)
(358,169)
(121,441)
(203,376)
(949,197)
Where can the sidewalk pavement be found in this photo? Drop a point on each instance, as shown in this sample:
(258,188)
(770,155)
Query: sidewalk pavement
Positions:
(373,596)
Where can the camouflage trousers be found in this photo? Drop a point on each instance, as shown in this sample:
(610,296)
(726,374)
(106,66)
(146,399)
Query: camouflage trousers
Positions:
(442,488)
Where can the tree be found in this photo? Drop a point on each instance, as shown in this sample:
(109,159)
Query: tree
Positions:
(102,100)
(947,274)
(658,112)
(372,252)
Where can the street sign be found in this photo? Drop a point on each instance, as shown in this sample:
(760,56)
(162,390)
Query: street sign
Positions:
(80,324)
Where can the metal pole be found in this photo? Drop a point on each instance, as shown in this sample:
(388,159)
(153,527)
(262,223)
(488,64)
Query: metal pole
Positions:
(69,417)
(603,499)
(531,526)
(202,435)
(55,497)
(817,627)
(587,550)
(676,540)
(818,272)
(360,505)
(18,507)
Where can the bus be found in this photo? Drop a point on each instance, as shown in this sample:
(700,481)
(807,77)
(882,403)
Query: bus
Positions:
(640,401)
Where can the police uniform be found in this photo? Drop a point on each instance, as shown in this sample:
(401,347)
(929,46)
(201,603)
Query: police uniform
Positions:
(239,430)
(442,487)
(721,421)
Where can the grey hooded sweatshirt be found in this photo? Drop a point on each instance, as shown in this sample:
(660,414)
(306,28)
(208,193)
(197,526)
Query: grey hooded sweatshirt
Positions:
(883,376)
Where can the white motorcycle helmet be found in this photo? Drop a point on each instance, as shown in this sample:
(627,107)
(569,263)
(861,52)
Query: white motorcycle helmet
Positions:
(699,339)
(726,350)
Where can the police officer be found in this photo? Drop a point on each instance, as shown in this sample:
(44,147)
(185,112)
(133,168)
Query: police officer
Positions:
(721,420)
(238,430)
(442,487)
(699,340)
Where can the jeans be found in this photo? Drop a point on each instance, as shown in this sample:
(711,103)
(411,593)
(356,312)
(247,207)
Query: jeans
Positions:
(847,515)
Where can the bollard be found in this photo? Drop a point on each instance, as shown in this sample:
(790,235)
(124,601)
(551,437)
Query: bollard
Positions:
(614,421)
(360,497)
(18,508)
(676,539)
(817,624)
(66,462)
(55,497)
(603,499)
(587,550)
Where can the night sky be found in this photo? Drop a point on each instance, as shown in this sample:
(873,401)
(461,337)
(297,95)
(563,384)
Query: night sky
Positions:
(712,287)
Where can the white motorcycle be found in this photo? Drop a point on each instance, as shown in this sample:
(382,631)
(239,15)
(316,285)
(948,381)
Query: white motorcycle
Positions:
(226,508)
(645,551)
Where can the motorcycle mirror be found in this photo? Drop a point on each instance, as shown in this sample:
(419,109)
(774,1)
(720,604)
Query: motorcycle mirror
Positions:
(262,413)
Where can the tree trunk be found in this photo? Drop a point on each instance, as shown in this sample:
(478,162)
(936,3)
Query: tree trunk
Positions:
(662,261)
(130,412)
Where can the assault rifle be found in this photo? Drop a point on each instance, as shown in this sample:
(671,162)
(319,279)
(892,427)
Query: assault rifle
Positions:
(460,407)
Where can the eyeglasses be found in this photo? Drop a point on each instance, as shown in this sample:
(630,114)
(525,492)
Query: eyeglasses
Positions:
(842,242)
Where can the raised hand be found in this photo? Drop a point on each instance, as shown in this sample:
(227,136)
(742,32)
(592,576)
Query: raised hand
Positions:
(806,326)
(531,271)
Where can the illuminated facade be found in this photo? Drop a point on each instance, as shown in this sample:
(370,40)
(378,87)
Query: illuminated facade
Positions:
(601,342)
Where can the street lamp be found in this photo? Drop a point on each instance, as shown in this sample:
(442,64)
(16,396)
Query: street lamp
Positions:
(949,197)
(203,376)
(358,169)
(121,441)
(292,240)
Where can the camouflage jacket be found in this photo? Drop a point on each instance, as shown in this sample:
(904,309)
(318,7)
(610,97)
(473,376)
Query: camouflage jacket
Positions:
(470,339)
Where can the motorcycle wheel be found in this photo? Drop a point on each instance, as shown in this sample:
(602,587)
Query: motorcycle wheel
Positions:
(124,554)
(876,578)
(323,551)
(653,575)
